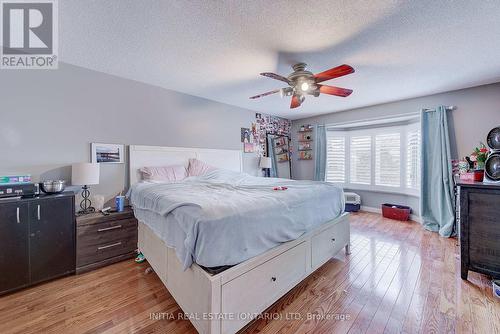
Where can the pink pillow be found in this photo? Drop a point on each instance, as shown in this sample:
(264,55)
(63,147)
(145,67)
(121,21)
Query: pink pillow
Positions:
(164,173)
(197,167)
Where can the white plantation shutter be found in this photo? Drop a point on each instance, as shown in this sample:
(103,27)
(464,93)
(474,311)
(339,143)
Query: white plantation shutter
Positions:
(385,158)
(413,158)
(361,158)
(335,159)
(388,159)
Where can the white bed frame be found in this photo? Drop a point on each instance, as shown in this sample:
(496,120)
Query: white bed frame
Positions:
(226,302)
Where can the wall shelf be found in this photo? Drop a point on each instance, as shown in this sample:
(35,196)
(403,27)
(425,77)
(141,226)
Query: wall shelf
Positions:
(304,142)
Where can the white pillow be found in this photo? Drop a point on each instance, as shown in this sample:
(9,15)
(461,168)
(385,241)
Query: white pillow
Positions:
(197,168)
(164,173)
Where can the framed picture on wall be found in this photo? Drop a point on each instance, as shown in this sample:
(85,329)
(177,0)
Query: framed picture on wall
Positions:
(107,153)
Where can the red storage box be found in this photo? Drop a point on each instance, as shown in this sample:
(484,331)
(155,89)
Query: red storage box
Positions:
(398,212)
(476,175)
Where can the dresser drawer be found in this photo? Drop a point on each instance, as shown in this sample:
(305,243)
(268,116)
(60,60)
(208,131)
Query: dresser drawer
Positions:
(106,232)
(269,281)
(329,242)
(102,241)
(94,253)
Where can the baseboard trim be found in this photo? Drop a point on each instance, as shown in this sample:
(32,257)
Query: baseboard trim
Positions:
(370,209)
(379,211)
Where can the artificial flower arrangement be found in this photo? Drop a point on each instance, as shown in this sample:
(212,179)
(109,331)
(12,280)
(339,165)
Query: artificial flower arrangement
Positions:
(479,156)
(472,168)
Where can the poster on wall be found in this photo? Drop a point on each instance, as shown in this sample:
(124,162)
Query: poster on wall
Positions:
(245,135)
(248,147)
(267,124)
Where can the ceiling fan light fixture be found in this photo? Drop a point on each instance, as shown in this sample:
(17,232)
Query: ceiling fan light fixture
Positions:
(302,82)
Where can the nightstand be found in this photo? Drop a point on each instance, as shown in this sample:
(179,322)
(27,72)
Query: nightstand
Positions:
(103,240)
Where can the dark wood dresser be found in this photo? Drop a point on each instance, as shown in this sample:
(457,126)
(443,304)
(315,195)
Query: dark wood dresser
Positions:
(479,228)
(37,239)
(102,240)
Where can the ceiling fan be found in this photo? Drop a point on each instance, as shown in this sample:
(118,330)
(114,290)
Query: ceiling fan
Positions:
(302,82)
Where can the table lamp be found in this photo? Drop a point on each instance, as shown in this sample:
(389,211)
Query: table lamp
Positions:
(85,174)
(266,164)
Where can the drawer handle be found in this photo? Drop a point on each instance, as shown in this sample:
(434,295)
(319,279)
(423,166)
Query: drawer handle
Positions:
(273,279)
(109,246)
(17,216)
(109,228)
(38,212)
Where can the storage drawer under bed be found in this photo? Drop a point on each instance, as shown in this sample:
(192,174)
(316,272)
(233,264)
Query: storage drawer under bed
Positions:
(268,282)
(327,243)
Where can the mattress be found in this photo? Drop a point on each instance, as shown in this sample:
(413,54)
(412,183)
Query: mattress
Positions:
(224,218)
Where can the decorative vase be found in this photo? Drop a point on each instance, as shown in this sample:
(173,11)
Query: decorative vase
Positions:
(463,166)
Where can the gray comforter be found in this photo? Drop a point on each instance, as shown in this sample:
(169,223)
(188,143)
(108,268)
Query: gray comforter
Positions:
(224,218)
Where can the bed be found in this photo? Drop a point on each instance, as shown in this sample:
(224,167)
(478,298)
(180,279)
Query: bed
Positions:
(266,240)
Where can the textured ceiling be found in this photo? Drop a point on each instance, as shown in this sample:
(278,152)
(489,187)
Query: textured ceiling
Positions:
(216,49)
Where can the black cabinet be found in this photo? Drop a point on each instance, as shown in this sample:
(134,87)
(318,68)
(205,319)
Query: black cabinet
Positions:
(37,236)
(14,246)
(480,228)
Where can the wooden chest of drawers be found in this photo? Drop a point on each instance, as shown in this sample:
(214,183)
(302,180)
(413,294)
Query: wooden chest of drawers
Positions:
(480,228)
(102,240)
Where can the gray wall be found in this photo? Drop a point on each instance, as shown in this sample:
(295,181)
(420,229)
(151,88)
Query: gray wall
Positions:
(478,112)
(49,118)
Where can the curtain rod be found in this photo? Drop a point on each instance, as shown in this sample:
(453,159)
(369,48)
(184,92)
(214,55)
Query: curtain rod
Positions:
(450,108)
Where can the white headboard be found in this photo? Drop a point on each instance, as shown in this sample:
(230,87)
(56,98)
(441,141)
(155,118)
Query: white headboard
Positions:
(155,156)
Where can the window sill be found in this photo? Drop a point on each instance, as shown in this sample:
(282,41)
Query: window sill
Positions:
(379,190)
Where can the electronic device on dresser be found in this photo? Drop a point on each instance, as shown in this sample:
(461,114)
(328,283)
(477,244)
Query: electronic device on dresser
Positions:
(19,190)
(37,236)
(492,164)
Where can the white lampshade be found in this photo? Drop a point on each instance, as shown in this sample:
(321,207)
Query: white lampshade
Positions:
(85,174)
(265,162)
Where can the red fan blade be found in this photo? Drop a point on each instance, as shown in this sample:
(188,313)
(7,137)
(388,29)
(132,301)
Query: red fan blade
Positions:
(335,72)
(295,102)
(331,90)
(265,94)
(275,76)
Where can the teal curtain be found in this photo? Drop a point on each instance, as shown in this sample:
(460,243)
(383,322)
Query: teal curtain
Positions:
(270,153)
(320,154)
(436,190)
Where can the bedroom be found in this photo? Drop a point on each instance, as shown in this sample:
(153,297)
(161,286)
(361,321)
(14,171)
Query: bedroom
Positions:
(238,219)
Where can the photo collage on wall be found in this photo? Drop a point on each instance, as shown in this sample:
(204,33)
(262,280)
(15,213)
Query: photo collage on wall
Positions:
(254,138)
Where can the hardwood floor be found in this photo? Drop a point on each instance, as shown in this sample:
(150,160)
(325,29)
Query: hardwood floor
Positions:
(398,279)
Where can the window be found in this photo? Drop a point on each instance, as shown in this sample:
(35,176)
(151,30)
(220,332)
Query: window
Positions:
(361,152)
(335,161)
(385,158)
(413,158)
